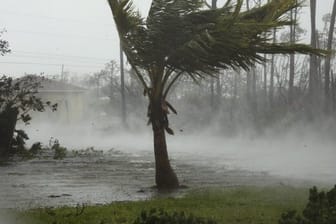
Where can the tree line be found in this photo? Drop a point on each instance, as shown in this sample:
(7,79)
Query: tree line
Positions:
(282,87)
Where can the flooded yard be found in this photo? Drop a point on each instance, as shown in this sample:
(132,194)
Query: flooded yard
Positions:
(100,178)
(119,174)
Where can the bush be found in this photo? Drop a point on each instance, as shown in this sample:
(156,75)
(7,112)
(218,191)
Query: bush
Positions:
(36,148)
(321,209)
(159,216)
(26,154)
(18,98)
(59,151)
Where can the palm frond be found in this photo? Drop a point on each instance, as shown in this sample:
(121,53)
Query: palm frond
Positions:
(180,36)
(132,34)
(125,17)
(285,48)
(228,38)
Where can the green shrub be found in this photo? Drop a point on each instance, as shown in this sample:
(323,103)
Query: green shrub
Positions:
(321,209)
(59,151)
(159,216)
(26,154)
(36,148)
(18,98)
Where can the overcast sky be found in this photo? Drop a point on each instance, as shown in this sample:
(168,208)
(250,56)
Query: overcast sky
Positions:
(44,34)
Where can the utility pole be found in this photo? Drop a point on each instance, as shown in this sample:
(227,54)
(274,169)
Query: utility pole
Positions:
(111,82)
(213,6)
(62,73)
(122,87)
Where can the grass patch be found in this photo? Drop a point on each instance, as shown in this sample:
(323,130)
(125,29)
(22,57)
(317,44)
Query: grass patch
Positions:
(229,205)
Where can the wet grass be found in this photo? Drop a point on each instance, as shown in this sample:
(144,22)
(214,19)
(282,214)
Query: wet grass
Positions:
(262,205)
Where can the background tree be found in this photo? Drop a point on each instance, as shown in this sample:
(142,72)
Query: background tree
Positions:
(110,82)
(4,46)
(17,99)
(313,79)
(180,38)
(328,58)
(271,87)
(293,15)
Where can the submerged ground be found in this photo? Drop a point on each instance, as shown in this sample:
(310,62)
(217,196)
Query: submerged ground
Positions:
(100,178)
(123,167)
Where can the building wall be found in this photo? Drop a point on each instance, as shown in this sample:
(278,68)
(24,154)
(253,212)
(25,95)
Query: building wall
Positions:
(70,110)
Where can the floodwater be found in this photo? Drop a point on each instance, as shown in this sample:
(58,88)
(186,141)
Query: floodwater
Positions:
(126,172)
(98,178)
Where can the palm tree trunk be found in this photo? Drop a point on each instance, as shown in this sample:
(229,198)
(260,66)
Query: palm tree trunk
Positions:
(328,59)
(165,176)
(214,4)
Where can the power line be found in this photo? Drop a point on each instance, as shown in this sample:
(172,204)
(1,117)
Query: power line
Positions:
(24,14)
(45,64)
(55,35)
(27,54)
(50,58)
(57,55)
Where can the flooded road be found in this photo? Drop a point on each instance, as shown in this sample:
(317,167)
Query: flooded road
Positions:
(127,173)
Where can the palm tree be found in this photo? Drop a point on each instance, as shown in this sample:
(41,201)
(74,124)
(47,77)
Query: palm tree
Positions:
(183,38)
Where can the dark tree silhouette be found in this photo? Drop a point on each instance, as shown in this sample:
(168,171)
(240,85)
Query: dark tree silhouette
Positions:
(17,99)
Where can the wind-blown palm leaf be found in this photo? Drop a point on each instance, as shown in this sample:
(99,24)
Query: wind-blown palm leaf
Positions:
(124,13)
(180,36)
(226,39)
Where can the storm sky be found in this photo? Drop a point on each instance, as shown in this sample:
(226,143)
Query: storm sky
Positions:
(80,34)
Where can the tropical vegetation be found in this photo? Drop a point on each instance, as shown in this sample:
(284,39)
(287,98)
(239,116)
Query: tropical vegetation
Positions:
(183,38)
